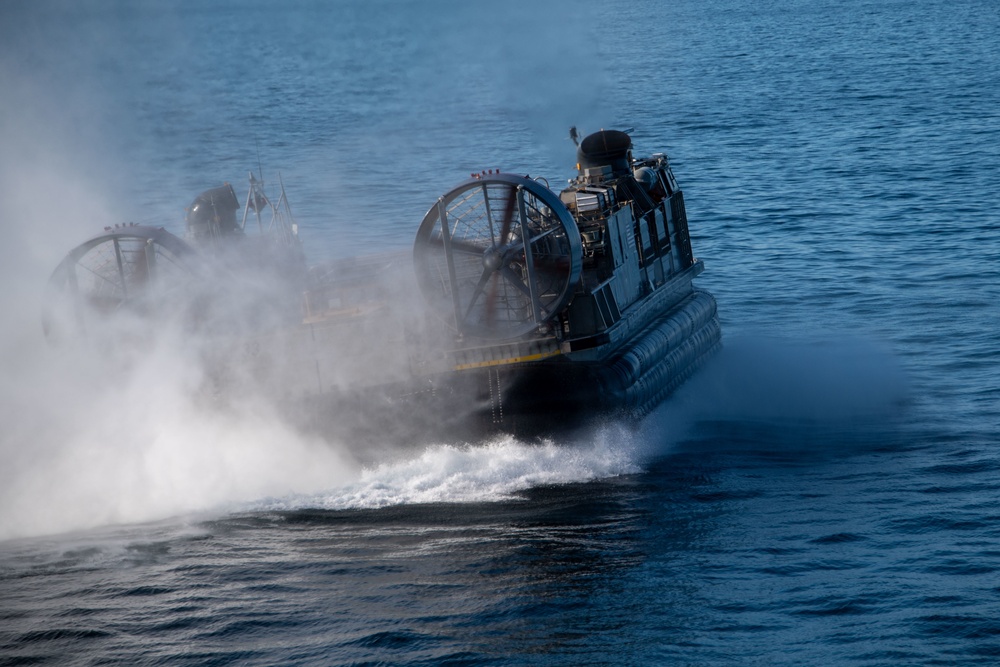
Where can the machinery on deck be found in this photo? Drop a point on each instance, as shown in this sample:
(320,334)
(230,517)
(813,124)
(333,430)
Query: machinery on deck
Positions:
(543,310)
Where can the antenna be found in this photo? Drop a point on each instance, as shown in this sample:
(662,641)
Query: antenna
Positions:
(260,170)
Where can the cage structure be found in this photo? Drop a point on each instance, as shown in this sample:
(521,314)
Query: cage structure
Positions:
(150,273)
(498,256)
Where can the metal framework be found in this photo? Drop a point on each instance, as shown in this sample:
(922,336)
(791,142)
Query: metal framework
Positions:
(498,256)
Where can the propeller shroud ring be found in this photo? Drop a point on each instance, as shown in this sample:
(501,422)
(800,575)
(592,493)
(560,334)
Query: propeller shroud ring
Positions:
(498,256)
(126,269)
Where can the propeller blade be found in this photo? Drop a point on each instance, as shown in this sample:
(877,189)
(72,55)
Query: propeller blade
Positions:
(505,225)
(515,280)
(457,245)
(508,215)
(477,292)
(491,301)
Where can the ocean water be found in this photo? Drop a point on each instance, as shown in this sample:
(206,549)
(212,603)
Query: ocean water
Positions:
(824,492)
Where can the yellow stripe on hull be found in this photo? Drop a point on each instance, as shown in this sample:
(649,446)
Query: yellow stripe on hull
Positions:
(509,360)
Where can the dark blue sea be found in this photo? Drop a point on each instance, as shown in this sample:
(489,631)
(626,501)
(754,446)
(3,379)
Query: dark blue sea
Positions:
(825,492)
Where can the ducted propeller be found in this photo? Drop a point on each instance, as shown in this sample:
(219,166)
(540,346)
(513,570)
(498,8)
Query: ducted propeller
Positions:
(498,256)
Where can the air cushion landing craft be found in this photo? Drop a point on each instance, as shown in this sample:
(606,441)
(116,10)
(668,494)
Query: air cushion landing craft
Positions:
(543,311)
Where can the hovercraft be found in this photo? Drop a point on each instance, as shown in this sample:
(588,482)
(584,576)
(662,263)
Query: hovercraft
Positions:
(571,306)
(544,311)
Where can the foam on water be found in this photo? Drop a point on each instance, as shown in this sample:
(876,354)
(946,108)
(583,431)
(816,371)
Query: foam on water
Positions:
(494,471)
